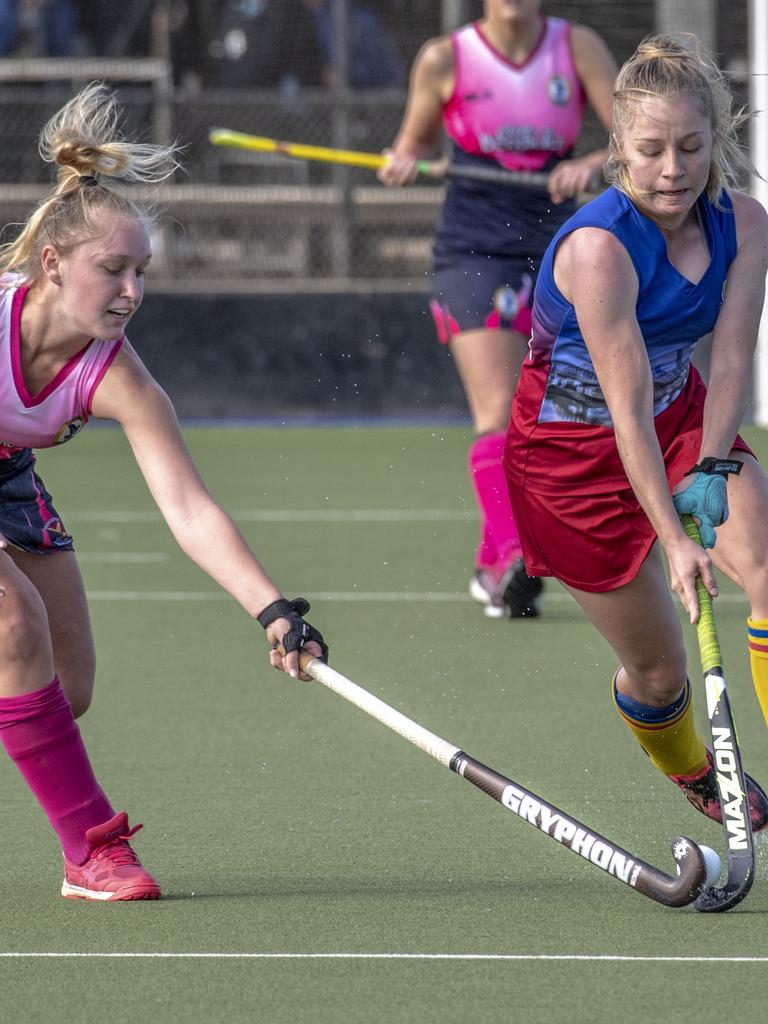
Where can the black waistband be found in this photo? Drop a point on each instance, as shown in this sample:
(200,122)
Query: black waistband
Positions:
(19,460)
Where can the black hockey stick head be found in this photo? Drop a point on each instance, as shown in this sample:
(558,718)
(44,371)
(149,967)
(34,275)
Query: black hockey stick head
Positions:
(733,790)
(741,875)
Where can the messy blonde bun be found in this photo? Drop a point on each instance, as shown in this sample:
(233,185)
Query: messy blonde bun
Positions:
(83,139)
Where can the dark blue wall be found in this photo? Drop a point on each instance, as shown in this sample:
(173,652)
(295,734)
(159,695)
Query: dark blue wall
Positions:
(317,355)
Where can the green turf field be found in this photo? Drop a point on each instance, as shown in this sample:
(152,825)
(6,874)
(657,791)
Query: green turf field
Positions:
(317,867)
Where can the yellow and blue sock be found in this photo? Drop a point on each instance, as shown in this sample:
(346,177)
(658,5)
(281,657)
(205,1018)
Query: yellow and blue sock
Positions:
(668,735)
(758,660)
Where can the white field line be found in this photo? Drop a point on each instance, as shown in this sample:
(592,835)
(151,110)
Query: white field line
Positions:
(123,557)
(341,596)
(292,515)
(593,957)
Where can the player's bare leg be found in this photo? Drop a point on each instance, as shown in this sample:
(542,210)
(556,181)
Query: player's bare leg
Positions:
(641,623)
(27,653)
(58,581)
(652,693)
(741,550)
(489,362)
(741,553)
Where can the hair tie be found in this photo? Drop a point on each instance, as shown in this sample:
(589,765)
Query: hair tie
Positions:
(86,180)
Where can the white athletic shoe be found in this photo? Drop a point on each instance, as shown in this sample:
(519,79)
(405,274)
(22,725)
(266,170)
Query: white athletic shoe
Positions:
(484,588)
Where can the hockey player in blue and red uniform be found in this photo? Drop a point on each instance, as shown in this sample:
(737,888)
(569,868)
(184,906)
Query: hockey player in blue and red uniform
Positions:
(613,434)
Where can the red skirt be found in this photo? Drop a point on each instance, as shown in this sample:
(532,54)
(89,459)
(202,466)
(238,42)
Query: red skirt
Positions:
(577,515)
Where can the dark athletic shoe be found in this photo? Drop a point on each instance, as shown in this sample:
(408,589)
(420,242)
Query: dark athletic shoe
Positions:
(520,592)
(701,790)
(512,596)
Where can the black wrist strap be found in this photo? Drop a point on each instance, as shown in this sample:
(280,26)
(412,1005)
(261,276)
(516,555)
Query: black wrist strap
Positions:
(282,609)
(719,467)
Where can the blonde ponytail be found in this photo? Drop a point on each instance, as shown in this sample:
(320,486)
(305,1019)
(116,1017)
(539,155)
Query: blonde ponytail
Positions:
(83,139)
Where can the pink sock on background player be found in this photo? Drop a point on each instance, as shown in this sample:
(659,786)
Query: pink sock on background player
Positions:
(39,732)
(499,539)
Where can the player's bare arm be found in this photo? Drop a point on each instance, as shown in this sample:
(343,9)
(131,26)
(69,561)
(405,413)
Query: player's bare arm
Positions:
(596,69)
(203,530)
(735,333)
(129,395)
(430,88)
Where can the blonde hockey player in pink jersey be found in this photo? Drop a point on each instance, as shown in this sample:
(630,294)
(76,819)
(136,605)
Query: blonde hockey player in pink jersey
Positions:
(69,285)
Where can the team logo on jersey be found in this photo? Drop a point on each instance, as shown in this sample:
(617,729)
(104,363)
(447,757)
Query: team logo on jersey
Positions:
(516,138)
(68,431)
(559,90)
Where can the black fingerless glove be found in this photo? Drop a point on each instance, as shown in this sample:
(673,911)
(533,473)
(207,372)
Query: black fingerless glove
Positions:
(301,632)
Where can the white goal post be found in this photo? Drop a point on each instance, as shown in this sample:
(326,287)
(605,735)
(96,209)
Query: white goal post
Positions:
(758,102)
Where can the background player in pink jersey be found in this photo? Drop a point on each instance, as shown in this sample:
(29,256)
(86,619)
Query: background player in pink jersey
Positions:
(70,283)
(509,89)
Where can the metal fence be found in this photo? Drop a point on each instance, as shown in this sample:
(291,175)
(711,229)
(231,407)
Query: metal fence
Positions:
(247,222)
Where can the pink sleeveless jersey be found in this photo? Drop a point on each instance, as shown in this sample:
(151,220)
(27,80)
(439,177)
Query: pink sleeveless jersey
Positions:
(521,115)
(63,407)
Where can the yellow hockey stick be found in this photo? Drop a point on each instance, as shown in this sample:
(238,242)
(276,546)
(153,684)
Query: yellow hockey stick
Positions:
(373,161)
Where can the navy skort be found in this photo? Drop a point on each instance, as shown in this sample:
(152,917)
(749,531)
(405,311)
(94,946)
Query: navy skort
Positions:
(27,517)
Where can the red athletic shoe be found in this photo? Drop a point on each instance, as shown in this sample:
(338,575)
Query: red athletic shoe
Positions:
(701,790)
(113,871)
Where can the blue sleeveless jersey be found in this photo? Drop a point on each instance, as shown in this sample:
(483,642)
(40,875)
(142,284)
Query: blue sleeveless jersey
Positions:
(672,312)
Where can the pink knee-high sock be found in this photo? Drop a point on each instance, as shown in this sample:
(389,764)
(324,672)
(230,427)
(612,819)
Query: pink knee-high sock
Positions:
(499,539)
(41,736)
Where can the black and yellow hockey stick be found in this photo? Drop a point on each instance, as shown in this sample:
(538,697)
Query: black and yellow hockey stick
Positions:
(373,161)
(725,749)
